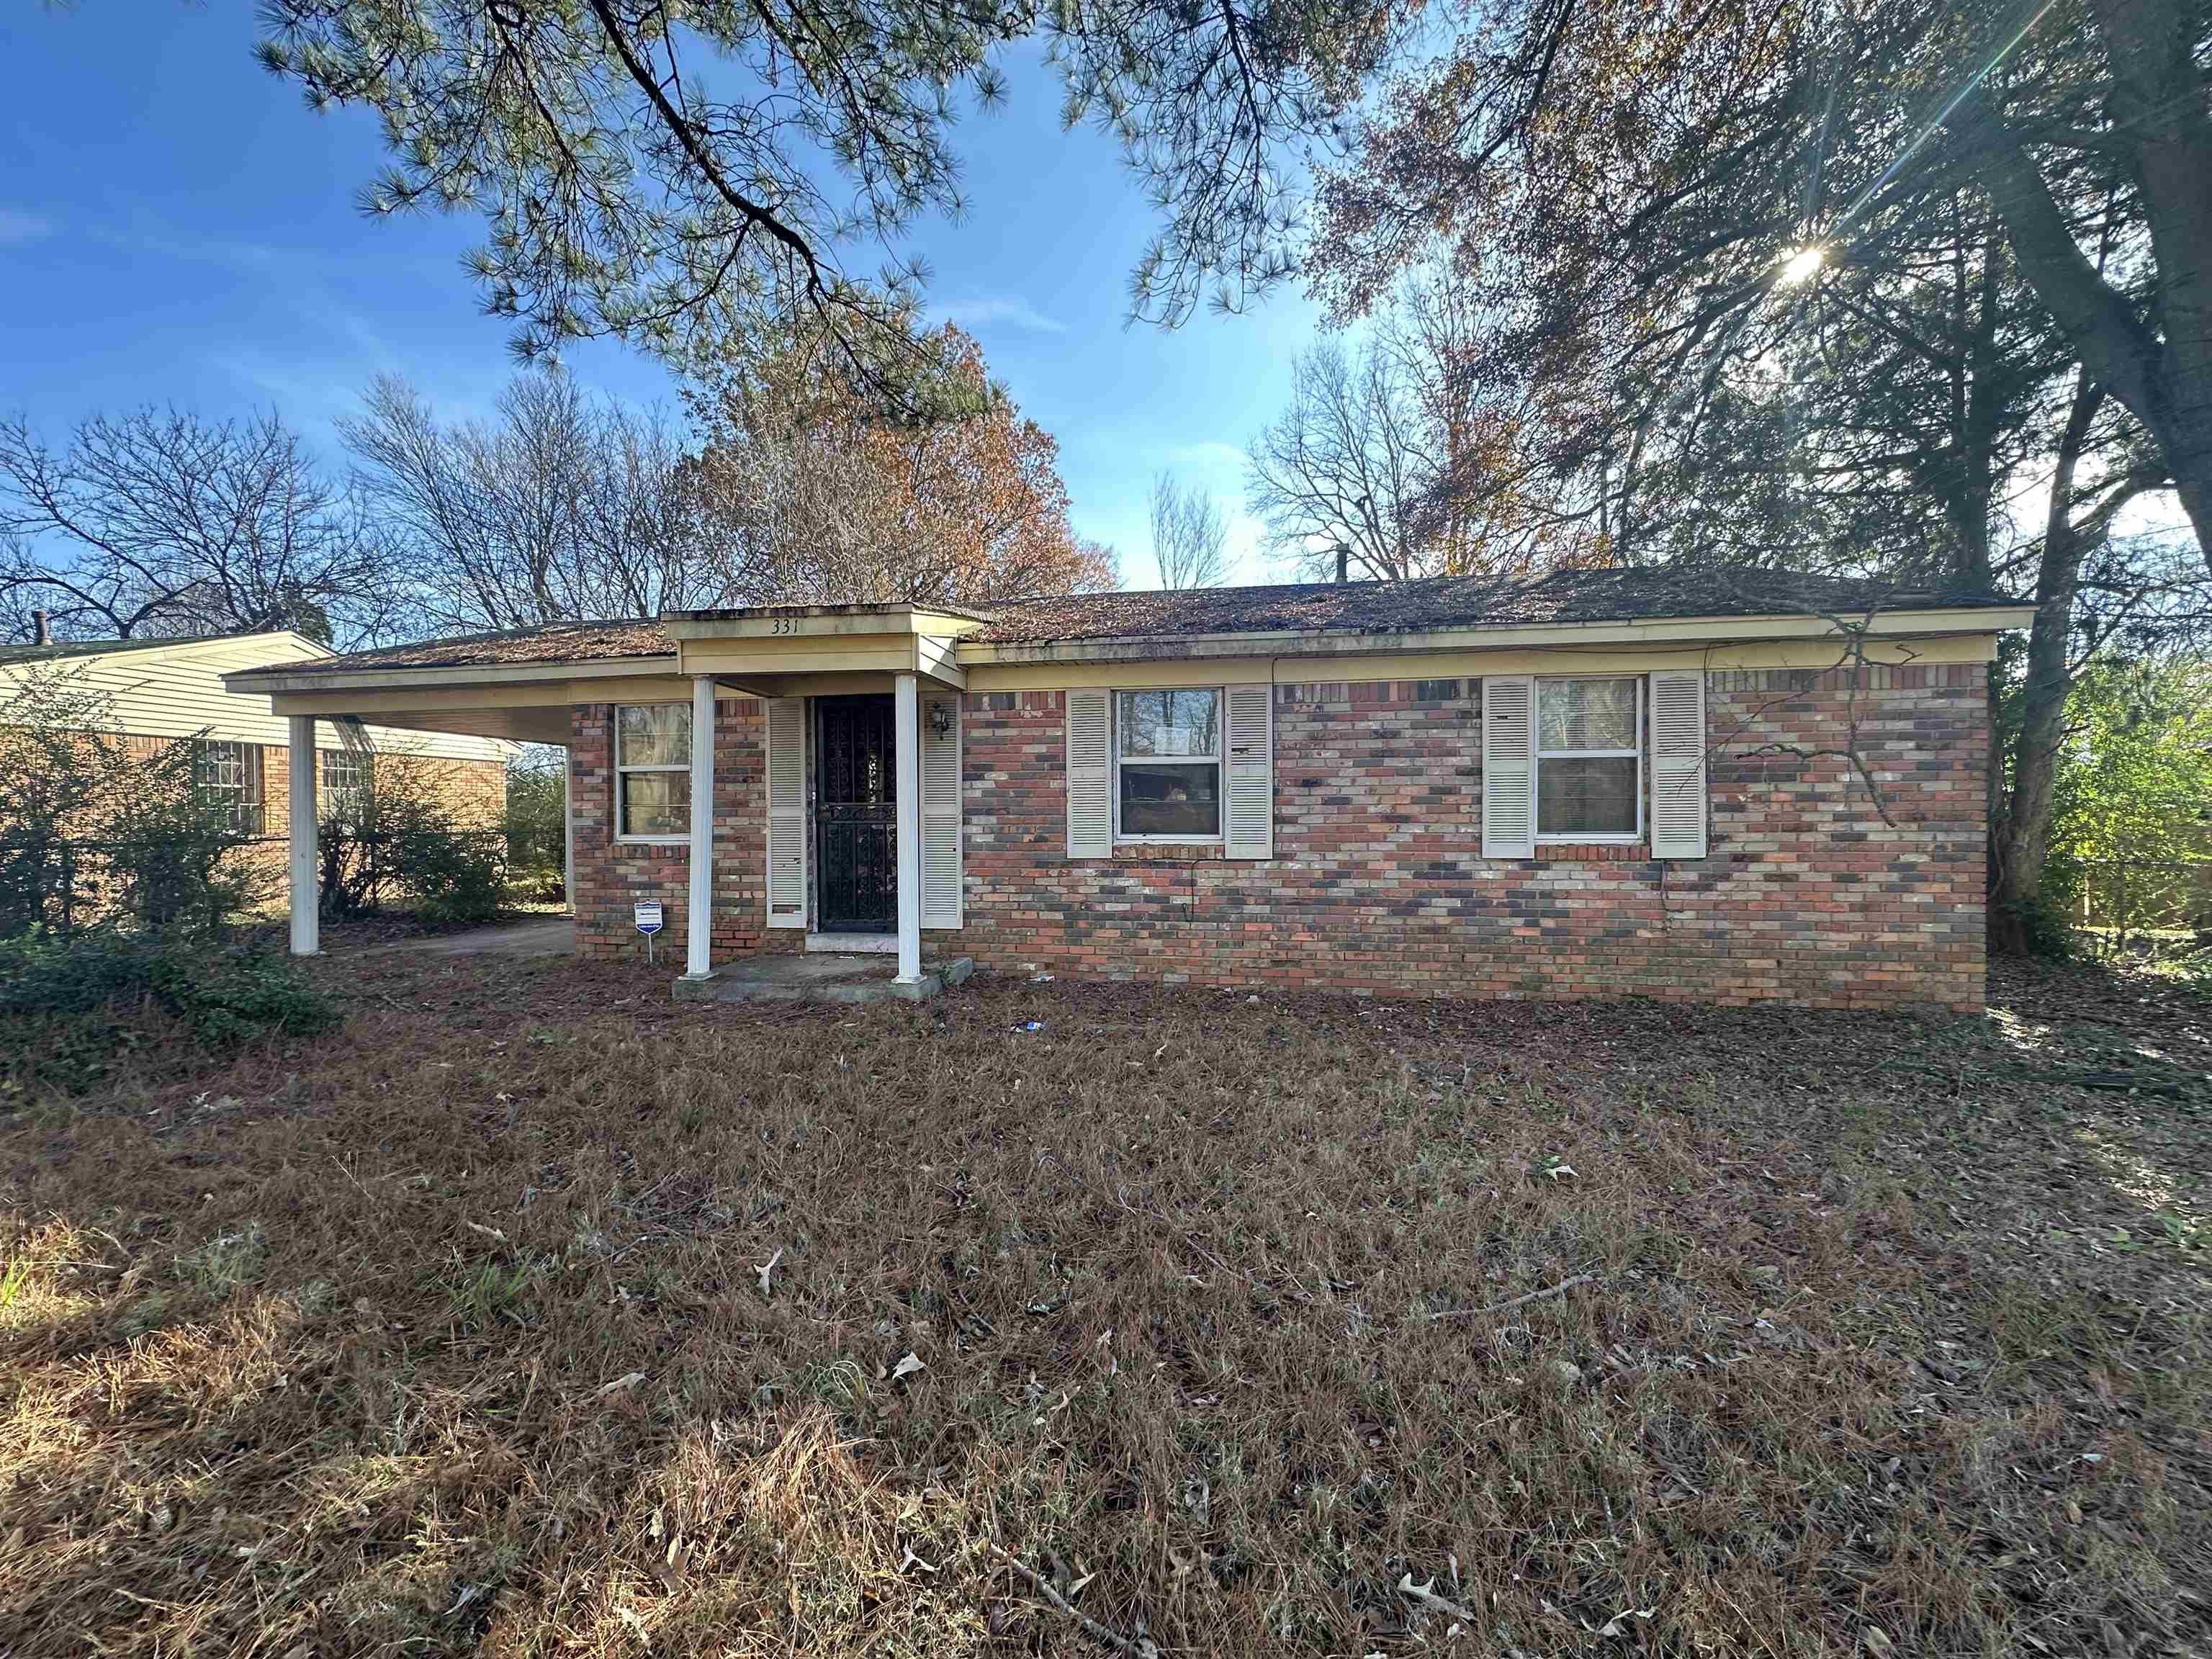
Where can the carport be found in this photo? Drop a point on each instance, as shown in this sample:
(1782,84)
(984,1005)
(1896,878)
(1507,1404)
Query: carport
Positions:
(526,686)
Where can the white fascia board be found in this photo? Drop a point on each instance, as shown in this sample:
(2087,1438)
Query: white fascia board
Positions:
(798,622)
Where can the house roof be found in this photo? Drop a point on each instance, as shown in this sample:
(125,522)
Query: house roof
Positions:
(60,650)
(1440,602)
(555,642)
(1564,596)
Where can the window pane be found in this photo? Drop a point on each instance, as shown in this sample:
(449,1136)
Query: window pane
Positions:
(345,784)
(1171,722)
(656,803)
(1159,798)
(1586,714)
(219,769)
(1586,796)
(657,734)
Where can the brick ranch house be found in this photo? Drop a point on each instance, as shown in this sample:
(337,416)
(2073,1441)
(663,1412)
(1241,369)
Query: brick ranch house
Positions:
(1594,783)
(151,693)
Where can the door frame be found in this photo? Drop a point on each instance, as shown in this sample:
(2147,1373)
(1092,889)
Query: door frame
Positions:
(816,866)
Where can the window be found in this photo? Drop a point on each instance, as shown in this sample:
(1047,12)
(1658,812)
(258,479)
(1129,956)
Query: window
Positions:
(652,772)
(1590,760)
(1167,761)
(226,776)
(344,783)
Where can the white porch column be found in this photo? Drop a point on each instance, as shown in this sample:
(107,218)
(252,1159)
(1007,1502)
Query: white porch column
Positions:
(307,897)
(699,925)
(906,724)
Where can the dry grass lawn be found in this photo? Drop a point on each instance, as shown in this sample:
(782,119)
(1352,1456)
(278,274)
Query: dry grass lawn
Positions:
(528,1314)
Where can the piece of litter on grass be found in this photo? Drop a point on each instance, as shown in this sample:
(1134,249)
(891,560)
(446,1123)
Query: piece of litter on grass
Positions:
(908,1367)
(469,1593)
(1030,1025)
(1614,1628)
(913,1560)
(769,1268)
(1039,979)
(1426,1595)
(629,1381)
(489,1232)
(1558,1170)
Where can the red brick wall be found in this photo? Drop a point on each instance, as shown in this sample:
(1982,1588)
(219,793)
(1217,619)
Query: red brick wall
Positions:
(1379,883)
(611,877)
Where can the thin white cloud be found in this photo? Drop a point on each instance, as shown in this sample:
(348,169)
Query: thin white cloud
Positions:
(23,226)
(1010,311)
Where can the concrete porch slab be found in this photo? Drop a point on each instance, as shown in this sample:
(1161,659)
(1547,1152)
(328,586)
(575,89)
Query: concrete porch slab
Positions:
(820,978)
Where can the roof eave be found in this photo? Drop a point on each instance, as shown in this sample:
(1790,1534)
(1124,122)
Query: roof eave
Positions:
(276,680)
(1676,631)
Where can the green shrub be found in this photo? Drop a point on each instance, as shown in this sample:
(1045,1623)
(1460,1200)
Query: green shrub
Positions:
(2131,818)
(2194,971)
(536,828)
(173,867)
(394,839)
(454,875)
(94,830)
(68,1008)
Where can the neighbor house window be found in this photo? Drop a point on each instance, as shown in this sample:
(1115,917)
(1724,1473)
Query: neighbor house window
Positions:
(652,772)
(1590,759)
(1167,761)
(344,785)
(226,776)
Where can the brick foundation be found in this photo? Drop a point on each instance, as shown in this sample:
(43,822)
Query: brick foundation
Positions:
(1378,883)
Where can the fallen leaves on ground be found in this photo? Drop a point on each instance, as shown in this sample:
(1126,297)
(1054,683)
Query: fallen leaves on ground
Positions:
(451,1330)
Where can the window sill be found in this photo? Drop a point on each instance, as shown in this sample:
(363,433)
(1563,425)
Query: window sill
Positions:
(652,841)
(1592,851)
(1167,852)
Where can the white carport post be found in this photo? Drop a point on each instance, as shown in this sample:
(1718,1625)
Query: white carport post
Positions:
(698,945)
(906,723)
(305,896)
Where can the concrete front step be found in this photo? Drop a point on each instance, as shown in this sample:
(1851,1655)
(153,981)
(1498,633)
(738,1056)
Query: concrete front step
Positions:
(819,978)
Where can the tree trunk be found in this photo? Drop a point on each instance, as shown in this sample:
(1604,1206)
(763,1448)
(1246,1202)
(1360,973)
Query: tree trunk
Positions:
(2020,831)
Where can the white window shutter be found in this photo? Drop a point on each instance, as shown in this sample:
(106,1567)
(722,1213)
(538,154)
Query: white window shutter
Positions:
(1509,766)
(1090,775)
(1678,765)
(786,811)
(940,812)
(1248,817)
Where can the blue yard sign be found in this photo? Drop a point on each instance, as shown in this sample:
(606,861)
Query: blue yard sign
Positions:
(648,923)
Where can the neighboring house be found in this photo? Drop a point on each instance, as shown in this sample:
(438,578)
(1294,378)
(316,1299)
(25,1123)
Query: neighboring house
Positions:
(1601,782)
(160,691)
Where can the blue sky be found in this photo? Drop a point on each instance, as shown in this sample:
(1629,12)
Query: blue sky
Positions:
(176,225)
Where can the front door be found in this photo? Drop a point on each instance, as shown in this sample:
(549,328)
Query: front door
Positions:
(855,816)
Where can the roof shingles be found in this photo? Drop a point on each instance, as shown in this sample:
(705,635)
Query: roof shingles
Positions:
(1564,596)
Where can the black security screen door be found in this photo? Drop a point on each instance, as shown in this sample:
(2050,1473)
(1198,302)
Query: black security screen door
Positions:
(854,817)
